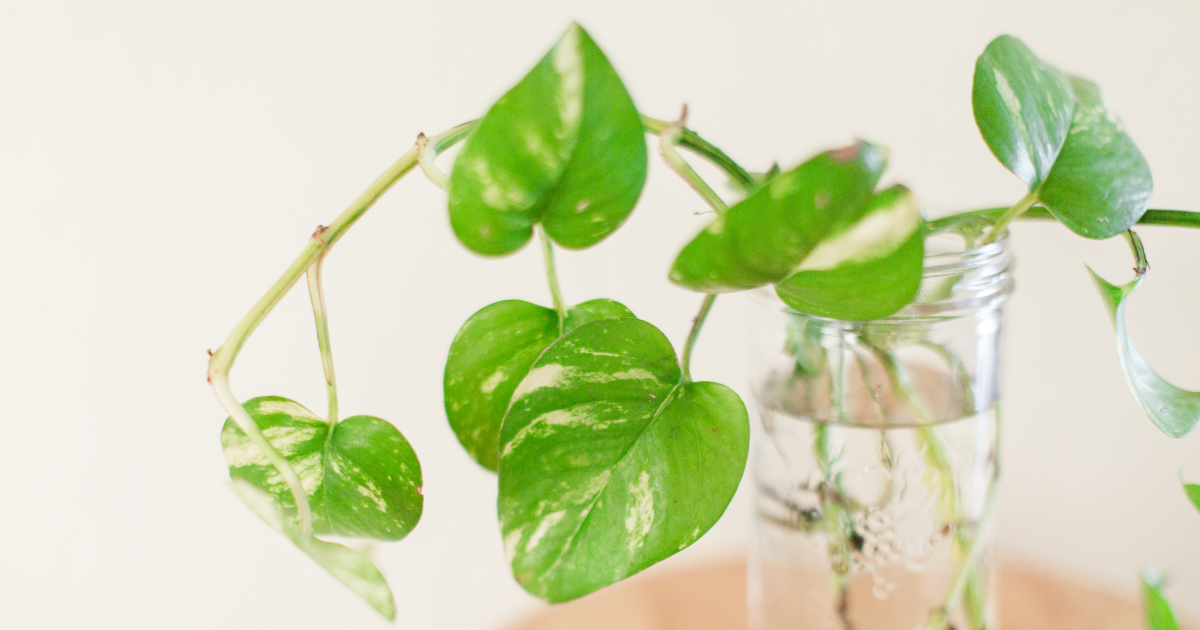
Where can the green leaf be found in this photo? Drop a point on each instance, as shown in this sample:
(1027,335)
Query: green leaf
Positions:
(490,355)
(564,148)
(610,462)
(1100,184)
(1157,609)
(762,239)
(1172,409)
(350,567)
(1193,493)
(362,477)
(870,270)
(1023,108)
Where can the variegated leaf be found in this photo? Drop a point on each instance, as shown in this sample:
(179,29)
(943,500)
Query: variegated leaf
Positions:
(490,355)
(1023,108)
(362,477)
(1054,132)
(610,462)
(350,567)
(1173,409)
(564,148)
(1100,184)
(764,237)
(869,270)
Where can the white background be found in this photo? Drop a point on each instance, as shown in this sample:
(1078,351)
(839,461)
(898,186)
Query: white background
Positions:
(161,165)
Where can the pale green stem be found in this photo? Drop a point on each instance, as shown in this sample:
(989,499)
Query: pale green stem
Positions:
(552,278)
(426,154)
(935,448)
(1017,210)
(837,382)
(705,149)
(961,376)
(667,140)
(938,459)
(864,373)
(242,419)
(697,324)
(316,294)
(838,526)
(222,360)
(834,514)
(940,618)
(669,136)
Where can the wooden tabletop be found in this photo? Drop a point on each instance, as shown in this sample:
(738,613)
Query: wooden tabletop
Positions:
(713,597)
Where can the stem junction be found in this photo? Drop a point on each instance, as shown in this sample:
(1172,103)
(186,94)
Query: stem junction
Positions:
(222,360)
(671,136)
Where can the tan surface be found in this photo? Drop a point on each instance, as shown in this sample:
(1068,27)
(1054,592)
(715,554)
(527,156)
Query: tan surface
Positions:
(713,598)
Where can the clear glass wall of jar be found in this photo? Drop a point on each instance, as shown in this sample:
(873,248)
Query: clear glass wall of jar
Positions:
(876,463)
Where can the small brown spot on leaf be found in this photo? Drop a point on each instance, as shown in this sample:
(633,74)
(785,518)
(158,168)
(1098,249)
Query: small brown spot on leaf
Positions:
(846,153)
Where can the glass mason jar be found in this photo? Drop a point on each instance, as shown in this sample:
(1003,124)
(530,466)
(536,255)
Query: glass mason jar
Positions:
(876,463)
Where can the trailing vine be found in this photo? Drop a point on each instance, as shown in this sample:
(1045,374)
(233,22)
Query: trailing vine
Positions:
(590,419)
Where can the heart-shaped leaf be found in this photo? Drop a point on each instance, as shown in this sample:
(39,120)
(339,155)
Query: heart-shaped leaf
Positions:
(350,567)
(610,462)
(869,270)
(1172,409)
(762,239)
(362,477)
(1155,606)
(490,355)
(1100,184)
(1053,131)
(564,148)
(1023,108)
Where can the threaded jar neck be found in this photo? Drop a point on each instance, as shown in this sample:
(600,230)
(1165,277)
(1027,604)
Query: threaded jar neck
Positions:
(957,279)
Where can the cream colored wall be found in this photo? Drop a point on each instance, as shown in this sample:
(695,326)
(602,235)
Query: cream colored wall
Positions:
(160,166)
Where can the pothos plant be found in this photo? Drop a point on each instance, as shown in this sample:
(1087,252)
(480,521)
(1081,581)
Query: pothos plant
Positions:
(610,456)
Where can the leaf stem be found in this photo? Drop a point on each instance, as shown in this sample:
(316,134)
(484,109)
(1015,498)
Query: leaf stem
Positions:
(1141,263)
(552,278)
(1017,210)
(837,522)
(667,140)
(706,150)
(939,619)
(1172,218)
(242,419)
(426,153)
(316,294)
(697,324)
(937,458)
(222,360)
